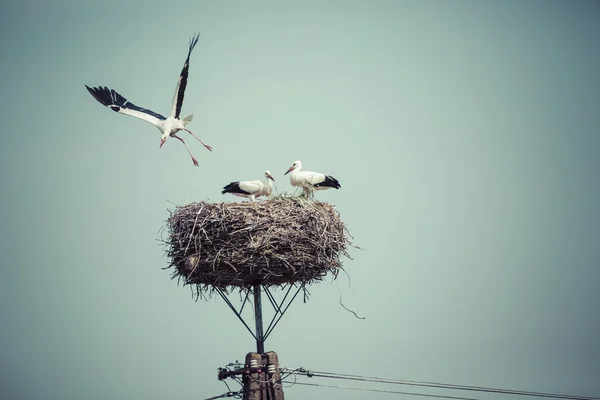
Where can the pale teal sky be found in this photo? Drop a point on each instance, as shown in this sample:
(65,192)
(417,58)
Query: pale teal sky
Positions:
(465,137)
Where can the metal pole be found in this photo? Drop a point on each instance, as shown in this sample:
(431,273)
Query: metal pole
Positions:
(260,342)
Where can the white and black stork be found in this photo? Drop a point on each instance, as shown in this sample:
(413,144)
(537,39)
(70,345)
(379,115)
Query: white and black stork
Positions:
(310,181)
(168,126)
(251,189)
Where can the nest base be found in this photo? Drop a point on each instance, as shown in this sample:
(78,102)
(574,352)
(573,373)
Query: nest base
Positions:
(274,242)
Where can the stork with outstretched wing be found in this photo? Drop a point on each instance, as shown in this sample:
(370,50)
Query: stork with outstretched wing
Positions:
(170,125)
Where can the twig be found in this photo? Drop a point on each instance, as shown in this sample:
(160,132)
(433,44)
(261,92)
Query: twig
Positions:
(347,309)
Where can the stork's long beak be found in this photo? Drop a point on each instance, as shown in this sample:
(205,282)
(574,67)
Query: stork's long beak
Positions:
(162,141)
(289,170)
(270,177)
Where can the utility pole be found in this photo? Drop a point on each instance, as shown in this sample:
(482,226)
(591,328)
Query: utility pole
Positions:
(276,388)
(252,377)
(261,377)
(260,374)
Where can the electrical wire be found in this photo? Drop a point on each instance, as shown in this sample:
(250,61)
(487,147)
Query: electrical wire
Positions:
(386,391)
(228,388)
(438,385)
(237,395)
(287,372)
(292,383)
(228,394)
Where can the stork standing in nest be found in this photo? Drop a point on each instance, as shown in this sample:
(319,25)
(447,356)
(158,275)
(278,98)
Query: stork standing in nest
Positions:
(251,189)
(170,125)
(310,181)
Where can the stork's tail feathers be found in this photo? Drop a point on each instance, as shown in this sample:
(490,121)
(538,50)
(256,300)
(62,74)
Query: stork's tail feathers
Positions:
(188,119)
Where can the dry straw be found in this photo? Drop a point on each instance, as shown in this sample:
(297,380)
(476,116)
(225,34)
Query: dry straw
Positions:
(274,242)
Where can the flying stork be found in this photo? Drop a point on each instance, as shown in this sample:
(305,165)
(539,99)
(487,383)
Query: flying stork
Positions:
(251,189)
(310,181)
(168,126)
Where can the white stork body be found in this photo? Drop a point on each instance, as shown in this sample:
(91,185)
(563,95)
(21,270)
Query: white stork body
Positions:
(310,181)
(170,125)
(251,189)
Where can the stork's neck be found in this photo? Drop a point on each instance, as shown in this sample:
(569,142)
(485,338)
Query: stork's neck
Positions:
(296,171)
(294,177)
(268,186)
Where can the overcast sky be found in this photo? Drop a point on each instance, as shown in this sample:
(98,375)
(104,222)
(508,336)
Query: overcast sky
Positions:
(465,135)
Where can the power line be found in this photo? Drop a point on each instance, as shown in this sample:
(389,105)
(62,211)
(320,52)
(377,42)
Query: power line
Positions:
(239,393)
(437,385)
(228,394)
(385,391)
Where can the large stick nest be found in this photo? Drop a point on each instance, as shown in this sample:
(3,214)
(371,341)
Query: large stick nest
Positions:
(274,242)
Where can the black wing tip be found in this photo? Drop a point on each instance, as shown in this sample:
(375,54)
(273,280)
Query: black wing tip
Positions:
(234,187)
(107,97)
(193,41)
(90,90)
(111,98)
(229,187)
(331,182)
(336,184)
(101,94)
(97,88)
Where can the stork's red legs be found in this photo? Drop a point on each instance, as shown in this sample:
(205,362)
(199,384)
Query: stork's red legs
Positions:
(188,149)
(205,145)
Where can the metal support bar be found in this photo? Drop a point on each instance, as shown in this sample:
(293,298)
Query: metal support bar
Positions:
(260,340)
(282,312)
(277,307)
(280,308)
(271,298)
(244,302)
(226,300)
